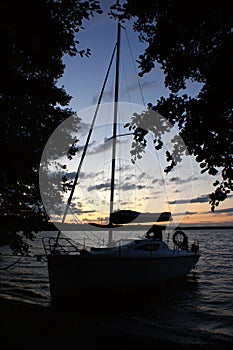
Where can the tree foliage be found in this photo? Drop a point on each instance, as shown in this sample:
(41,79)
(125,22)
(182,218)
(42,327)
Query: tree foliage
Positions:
(35,36)
(192,42)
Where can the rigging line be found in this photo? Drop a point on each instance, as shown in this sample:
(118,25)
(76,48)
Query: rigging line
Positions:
(106,176)
(14,263)
(87,141)
(135,69)
(75,216)
(79,221)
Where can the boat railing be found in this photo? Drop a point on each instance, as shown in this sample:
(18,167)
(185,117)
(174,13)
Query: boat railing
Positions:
(193,247)
(62,246)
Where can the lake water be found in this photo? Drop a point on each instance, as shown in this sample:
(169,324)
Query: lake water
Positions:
(198,309)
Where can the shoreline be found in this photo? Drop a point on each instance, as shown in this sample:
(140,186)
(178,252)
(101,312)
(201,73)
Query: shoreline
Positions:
(27,325)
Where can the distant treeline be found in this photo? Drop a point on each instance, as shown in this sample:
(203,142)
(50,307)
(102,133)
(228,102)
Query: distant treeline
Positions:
(20,224)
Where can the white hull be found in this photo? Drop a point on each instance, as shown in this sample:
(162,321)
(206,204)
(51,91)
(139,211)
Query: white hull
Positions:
(75,275)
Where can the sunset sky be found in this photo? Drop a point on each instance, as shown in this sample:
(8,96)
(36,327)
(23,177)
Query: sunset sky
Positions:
(184,191)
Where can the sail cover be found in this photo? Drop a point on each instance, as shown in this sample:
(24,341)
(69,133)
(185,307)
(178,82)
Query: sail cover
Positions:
(127,216)
(104,225)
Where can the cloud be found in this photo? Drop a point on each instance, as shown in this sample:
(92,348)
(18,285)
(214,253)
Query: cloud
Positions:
(134,86)
(83,175)
(125,186)
(106,145)
(124,168)
(70,175)
(177,180)
(142,175)
(108,95)
(129,177)
(140,187)
(94,148)
(79,211)
(185,213)
(226,210)
(99,187)
(222,211)
(200,199)
(80,148)
(160,182)
(84,127)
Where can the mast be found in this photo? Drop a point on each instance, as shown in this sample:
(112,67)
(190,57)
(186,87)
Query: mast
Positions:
(114,134)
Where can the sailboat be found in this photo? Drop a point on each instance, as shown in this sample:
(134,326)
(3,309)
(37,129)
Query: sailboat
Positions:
(75,270)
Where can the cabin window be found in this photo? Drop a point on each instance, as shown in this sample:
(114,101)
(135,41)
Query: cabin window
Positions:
(148,247)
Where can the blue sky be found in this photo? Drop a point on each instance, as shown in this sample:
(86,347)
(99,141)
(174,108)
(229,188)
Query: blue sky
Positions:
(83,79)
